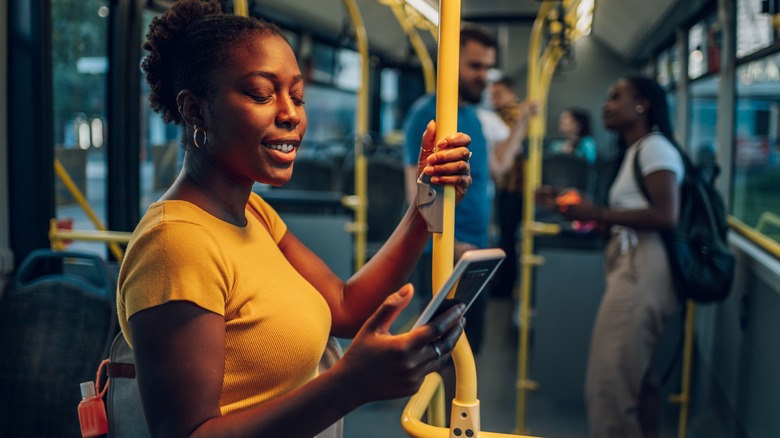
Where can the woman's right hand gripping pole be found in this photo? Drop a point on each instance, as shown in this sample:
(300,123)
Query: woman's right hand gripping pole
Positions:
(381,366)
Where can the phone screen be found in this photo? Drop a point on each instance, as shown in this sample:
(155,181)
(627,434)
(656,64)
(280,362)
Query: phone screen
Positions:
(473,281)
(472,278)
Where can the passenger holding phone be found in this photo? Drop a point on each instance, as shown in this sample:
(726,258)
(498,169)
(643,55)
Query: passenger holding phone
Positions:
(622,384)
(228,313)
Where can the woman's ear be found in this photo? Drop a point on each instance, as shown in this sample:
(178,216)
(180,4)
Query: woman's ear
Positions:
(642,106)
(190,107)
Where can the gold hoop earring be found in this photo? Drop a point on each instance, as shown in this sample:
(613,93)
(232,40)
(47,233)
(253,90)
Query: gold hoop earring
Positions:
(639,109)
(195,137)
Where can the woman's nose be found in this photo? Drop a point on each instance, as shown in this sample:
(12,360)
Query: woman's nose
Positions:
(288,114)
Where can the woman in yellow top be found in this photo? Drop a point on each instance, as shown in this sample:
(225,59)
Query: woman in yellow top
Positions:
(227,312)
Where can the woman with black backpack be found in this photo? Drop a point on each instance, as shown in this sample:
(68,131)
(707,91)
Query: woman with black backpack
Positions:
(623,395)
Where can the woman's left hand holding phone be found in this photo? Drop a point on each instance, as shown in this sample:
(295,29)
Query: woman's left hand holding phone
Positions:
(382,366)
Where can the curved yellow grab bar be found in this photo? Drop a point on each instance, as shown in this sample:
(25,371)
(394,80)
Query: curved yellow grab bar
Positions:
(415,408)
(407,24)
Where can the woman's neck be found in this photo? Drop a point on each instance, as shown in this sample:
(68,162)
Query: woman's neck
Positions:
(635,133)
(205,185)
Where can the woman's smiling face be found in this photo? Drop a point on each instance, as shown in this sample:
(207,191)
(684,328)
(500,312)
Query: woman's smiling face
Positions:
(255,118)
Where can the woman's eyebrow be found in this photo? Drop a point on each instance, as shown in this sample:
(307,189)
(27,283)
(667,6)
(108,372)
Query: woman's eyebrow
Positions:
(272,76)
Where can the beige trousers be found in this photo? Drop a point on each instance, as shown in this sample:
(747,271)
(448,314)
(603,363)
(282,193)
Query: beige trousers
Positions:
(622,390)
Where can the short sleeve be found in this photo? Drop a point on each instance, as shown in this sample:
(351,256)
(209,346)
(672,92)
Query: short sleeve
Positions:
(493,128)
(174,261)
(657,153)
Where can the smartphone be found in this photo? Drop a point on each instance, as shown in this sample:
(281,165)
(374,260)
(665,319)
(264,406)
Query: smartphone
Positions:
(469,277)
(569,196)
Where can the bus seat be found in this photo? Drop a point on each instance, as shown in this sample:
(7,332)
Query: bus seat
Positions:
(55,328)
(124,410)
(565,170)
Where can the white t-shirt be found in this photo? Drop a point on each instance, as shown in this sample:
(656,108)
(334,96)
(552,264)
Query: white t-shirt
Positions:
(493,127)
(656,153)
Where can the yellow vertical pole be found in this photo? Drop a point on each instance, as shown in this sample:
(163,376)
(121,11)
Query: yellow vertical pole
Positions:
(532,178)
(465,406)
(241,8)
(361,132)
(446,124)
(684,397)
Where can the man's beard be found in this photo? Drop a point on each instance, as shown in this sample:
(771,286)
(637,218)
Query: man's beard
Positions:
(469,94)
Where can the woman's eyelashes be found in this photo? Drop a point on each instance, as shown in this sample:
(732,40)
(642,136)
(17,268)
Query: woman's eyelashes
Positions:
(259,98)
(298,101)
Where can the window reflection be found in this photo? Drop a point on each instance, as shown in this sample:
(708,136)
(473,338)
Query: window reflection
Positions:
(703,118)
(756,175)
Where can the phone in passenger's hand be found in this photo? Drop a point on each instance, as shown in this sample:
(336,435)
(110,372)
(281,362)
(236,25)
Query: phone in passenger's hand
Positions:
(568,197)
(468,279)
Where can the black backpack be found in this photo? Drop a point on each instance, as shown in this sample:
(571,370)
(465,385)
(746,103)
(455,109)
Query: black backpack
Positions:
(701,262)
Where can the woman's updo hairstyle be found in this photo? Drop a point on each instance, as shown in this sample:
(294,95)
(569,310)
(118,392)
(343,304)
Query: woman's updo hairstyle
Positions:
(187,45)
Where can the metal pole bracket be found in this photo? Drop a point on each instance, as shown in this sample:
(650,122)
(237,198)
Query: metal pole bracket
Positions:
(430,203)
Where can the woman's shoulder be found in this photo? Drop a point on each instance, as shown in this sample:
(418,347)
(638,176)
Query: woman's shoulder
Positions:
(260,209)
(658,153)
(171,212)
(170,224)
(657,144)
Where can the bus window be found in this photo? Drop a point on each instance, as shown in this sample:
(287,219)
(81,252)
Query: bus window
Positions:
(160,152)
(756,200)
(79,67)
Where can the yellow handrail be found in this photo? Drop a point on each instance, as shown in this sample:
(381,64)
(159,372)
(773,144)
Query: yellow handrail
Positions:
(532,180)
(465,419)
(767,218)
(419,21)
(57,235)
(241,8)
(683,398)
(407,24)
(447,124)
(415,408)
(541,67)
(762,241)
(59,169)
(361,131)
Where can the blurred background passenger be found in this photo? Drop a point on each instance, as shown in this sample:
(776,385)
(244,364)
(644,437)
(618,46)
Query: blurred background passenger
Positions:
(623,396)
(508,206)
(574,126)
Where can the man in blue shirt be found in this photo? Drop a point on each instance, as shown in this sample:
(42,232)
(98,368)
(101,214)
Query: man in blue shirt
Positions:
(472,214)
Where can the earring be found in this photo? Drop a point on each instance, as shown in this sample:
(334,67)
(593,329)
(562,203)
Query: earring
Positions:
(639,109)
(195,137)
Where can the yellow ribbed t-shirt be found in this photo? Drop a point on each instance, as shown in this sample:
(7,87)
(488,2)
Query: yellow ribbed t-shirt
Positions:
(276,323)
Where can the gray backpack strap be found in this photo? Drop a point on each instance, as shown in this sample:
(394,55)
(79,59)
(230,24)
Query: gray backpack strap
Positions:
(332,354)
(124,410)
